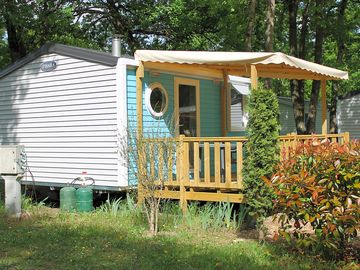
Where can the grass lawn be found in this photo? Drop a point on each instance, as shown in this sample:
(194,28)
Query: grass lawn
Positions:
(101,241)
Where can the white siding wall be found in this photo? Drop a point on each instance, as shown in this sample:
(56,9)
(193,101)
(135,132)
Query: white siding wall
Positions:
(66,119)
(348,116)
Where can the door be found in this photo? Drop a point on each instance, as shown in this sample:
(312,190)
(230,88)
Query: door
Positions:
(187,107)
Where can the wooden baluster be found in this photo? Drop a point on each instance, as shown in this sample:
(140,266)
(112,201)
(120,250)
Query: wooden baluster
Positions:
(185,163)
(161,163)
(180,169)
(177,161)
(239,163)
(170,165)
(152,159)
(141,171)
(207,162)
(196,163)
(228,163)
(217,163)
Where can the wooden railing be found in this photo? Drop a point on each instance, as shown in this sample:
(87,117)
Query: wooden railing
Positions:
(211,162)
(289,141)
(203,164)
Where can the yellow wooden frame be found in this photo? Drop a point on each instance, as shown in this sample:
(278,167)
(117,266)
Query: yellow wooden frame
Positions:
(192,82)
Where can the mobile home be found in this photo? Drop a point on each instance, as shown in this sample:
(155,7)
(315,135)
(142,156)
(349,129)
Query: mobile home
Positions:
(71,107)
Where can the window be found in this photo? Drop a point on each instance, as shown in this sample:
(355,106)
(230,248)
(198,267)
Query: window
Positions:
(238,116)
(156,99)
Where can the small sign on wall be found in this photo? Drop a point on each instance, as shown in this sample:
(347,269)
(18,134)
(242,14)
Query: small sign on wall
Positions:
(48,66)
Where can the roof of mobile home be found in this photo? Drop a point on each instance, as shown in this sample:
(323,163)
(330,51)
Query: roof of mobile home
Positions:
(99,57)
(350,94)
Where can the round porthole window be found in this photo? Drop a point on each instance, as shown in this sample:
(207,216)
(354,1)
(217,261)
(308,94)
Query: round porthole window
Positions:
(156,99)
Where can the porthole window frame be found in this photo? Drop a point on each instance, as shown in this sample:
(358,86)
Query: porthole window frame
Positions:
(149,89)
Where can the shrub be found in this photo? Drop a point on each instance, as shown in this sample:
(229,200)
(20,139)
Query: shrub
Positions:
(319,184)
(262,150)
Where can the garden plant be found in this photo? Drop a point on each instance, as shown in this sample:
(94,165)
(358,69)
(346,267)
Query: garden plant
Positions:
(319,184)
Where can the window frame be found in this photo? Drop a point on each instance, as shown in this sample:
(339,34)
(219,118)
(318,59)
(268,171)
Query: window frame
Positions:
(148,92)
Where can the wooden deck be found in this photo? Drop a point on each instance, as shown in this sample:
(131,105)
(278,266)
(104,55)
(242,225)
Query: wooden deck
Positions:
(210,169)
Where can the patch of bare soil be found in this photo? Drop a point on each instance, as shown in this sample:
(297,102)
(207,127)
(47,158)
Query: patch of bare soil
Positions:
(50,211)
(272,225)
(42,211)
(218,237)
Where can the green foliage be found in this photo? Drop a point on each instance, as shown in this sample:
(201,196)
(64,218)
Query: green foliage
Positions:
(214,216)
(320,184)
(123,208)
(30,206)
(207,217)
(262,150)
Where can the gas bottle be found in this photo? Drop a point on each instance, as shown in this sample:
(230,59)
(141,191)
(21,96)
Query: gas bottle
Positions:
(84,199)
(68,199)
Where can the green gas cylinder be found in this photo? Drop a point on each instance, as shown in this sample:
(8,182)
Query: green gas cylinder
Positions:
(68,199)
(84,199)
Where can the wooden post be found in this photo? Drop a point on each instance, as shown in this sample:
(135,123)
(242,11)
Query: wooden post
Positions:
(346,137)
(139,96)
(239,164)
(223,103)
(181,176)
(323,108)
(254,77)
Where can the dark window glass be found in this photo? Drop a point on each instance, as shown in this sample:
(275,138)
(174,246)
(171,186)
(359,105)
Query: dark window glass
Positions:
(157,100)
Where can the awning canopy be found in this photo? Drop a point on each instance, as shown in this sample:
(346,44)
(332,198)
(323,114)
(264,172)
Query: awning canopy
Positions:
(241,85)
(268,64)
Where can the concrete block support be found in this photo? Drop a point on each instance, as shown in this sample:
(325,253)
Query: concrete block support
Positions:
(12,196)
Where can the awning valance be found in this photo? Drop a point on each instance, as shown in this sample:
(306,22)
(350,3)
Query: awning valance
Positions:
(268,64)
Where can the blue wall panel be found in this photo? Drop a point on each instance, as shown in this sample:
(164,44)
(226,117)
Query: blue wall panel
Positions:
(210,108)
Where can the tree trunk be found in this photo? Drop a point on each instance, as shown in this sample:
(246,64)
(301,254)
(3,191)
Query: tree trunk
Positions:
(15,44)
(333,105)
(250,26)
(319,39)
(45,21)
(296,95)
(302,55)
(269,33)
(339,59)
(152,217)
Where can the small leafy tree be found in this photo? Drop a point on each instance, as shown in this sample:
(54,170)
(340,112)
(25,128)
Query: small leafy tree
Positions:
(262,150)
(148,163)
(319,184)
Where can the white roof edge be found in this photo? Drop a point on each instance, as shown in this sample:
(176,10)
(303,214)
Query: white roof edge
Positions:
(128,62)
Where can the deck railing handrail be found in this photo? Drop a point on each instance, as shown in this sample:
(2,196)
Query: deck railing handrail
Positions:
(344,135)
